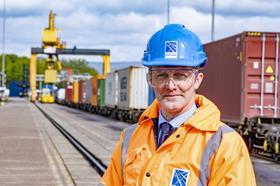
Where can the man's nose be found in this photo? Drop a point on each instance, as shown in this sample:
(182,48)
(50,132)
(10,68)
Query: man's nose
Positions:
(170,84)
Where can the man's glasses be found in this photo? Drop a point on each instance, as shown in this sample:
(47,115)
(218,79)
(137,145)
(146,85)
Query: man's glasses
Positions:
(180,77)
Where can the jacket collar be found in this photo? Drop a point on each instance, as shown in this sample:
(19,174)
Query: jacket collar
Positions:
(205,118)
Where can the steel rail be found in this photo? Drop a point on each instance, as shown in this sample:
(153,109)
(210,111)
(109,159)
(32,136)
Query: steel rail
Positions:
(93,160)
(266,157)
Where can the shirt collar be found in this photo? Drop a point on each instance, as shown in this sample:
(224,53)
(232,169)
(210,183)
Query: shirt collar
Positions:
(178,120)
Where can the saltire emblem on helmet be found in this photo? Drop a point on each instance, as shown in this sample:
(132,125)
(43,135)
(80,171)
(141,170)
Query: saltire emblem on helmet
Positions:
(180,177)
(171,49)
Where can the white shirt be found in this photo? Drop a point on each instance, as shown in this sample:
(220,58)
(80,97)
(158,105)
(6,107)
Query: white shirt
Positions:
(178,120)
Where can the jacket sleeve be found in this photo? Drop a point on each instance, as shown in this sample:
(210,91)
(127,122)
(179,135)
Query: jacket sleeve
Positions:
(232,165)
(113,174)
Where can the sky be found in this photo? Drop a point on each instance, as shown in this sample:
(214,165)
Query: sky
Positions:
(125,26)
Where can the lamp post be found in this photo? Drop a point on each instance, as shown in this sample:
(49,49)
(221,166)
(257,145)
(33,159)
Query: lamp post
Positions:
(3,44)
(168,9)
(213,20)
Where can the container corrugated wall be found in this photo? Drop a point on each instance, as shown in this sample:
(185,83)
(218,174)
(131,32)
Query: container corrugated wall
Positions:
(223,77)
(151,96)
(234,80)
(101,92)
(261,85)
(111,93)
(60,94)
(82,91)
(132,88)
(68,93)
(75,92)
(15,89)
(88,91)
(94,90)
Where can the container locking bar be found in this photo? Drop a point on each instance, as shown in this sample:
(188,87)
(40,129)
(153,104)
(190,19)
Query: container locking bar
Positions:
(262,75)
(276,76)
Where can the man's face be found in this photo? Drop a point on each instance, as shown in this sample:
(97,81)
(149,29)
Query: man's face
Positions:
(174,88)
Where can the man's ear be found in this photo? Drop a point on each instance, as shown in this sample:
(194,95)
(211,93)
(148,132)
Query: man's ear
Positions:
(198,80)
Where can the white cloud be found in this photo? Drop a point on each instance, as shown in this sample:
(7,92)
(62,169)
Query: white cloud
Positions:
(124,26)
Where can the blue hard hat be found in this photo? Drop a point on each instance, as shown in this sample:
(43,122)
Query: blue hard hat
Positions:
(174,45)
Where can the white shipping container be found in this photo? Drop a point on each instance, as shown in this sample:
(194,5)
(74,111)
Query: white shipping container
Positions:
(60,94)
(111,87)
(88,92)
(132,88)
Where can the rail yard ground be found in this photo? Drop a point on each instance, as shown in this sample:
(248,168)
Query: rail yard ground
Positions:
(34,152)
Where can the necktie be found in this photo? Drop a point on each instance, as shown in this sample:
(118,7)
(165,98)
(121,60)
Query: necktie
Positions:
(165,131)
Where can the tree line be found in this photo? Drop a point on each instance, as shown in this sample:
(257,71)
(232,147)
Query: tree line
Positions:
(17,67)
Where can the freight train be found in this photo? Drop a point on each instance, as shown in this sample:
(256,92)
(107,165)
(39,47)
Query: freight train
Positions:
(241,78)
(124,94)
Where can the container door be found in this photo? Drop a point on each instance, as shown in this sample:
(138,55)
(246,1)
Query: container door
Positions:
(94,90)
(151,95)
(262,69)
(101,92)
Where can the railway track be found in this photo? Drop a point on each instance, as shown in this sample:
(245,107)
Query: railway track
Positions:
(92,159)
(97,164)
(264,156)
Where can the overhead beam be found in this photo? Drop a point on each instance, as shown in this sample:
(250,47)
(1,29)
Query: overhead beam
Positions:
(71,51)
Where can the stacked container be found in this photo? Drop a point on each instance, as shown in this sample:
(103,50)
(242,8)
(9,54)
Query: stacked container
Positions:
(242,76)
(88,94)
(82,92)
(68,94)
(75,92)
(132,88)
(101,92)
(15,88)
(94,90)
(111,93)
(151,96)
(60,95)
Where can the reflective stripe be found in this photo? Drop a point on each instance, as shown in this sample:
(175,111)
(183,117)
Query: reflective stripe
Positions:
(128,133)
(210,149)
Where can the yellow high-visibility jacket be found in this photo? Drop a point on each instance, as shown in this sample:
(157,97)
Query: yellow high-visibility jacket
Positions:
(202,151)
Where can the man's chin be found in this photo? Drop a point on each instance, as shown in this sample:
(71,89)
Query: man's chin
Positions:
(172,98)
(171,107)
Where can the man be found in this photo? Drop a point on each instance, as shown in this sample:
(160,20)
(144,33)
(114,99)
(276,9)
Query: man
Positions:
(179,139)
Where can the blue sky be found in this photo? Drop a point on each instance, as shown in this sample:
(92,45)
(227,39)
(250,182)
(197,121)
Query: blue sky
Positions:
(124,26)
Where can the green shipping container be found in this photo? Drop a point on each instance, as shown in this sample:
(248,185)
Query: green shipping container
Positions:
(101,92)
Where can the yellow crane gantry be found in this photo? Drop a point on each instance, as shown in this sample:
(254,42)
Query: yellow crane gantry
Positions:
(53,47)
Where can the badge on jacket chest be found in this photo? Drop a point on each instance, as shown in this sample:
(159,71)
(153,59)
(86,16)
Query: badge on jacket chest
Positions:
(180,177)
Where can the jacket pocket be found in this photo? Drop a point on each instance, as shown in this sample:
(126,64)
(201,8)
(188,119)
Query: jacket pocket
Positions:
(135,161)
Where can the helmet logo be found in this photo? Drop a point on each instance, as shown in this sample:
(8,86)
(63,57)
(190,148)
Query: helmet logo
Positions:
(171,49)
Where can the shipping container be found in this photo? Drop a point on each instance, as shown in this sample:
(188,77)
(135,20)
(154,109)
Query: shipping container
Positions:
(94,90)
(88,91)
(60,95)
(82,91)
(132,88)
(18,88)
(15,90)
(151,95)
(111,93)
(101,92)
(68,94)
(241,76)
(75,92)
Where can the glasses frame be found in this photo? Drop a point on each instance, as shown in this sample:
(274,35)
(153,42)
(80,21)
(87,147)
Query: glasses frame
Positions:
(194,71)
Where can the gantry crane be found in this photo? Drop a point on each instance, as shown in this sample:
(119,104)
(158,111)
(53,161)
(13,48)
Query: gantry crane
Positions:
(53,47)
